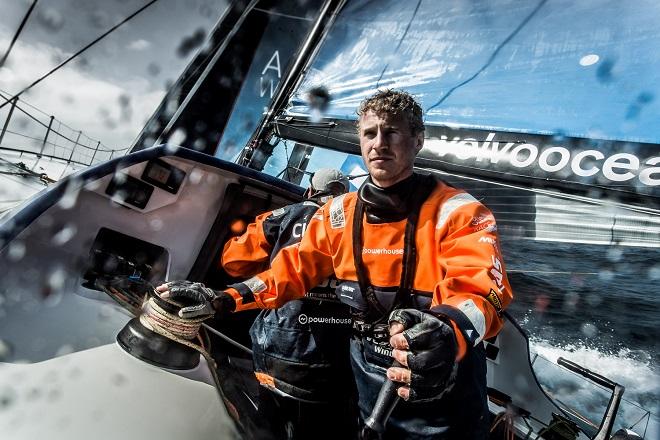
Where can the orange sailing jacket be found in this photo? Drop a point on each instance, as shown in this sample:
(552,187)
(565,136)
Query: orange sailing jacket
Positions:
(459,263)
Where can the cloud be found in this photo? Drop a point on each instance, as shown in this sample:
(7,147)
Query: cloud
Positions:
(139,45)
(113,113)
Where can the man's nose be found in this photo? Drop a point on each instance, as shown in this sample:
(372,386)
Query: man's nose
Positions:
(380,141)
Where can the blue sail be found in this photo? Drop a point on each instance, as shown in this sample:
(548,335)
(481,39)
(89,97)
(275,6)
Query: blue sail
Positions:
(556,91)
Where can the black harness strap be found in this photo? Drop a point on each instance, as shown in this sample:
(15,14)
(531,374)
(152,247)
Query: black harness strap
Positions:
(404,292)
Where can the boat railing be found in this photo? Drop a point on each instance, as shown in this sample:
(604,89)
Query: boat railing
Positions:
(28,130)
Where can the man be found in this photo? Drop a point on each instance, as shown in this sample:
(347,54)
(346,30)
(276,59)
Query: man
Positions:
(301,349)
(419,264)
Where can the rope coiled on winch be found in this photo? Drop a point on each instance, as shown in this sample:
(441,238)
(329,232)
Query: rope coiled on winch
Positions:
(160,321)
(170,325)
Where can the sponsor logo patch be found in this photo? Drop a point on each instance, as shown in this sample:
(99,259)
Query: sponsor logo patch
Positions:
(533,157)
(496,272)
(382,251)
(488,226)
(494,300)
(329,320)
(337,218)
(489,240)
(482,219)
(255,285)
(383,350)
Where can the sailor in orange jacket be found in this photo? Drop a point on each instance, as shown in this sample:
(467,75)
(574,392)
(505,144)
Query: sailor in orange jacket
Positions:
(419,263)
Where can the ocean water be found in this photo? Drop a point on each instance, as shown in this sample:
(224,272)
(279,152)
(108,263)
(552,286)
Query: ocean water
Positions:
(596,306)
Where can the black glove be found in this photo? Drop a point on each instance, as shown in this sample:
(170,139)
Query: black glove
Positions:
(199,300)
(432,353)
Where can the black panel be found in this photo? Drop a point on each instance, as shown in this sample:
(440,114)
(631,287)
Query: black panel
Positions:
(117,255)
(492,351)
(129,190)
(163,175)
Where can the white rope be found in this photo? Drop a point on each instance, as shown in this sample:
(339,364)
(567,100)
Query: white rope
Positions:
(157,319)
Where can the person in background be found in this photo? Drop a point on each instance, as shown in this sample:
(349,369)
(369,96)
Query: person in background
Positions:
(300,350)
(418,262)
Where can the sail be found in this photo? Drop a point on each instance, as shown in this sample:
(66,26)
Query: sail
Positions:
(547,93)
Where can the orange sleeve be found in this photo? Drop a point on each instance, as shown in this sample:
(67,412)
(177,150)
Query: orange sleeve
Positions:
(475,280)
(248,253)
(293,271)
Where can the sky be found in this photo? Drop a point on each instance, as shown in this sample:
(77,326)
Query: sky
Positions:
(113,88)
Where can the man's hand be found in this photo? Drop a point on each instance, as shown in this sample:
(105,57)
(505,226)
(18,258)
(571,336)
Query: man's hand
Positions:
(199,301)
(426,346)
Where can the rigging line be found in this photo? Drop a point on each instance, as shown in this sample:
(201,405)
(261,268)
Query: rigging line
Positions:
(56,133)
(63,63)
(326,136)
(286,152)
(419,2)
(492,56)
(296,17)
(4,92)
(18,32)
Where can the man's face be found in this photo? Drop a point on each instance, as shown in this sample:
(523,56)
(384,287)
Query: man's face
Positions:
(388,147)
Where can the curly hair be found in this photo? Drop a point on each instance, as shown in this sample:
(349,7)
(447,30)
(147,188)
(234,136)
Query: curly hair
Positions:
(394,102)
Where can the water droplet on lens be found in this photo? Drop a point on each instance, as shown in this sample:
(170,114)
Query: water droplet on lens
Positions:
(589,60)
(16,250)
(171,148)
(654,272)
(153,69)
(64,350)
(93,185)
(119,379)
(156,224)
(105,312)
(65,234)
(614,254)
(70,196)
(7,398)
(33,394)
(54,394)
(589,330)
(120,177)
(606,275)
(57,278)
(5,350)
(178,137)
(75,373)
(195,176)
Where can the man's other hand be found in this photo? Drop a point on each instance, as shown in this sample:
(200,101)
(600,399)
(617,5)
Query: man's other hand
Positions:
(426,347)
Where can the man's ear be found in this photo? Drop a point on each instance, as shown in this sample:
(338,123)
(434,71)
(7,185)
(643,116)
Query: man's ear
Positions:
(419,142)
